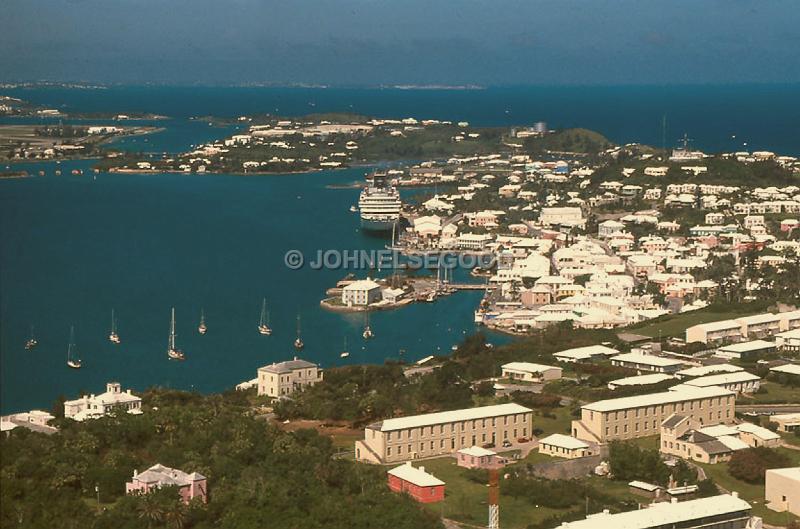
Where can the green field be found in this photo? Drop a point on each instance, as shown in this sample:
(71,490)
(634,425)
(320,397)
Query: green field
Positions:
(752,493)
(775,394)
(676,325)
(560,424)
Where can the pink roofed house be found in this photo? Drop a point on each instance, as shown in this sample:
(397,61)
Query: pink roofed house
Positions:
(189,485)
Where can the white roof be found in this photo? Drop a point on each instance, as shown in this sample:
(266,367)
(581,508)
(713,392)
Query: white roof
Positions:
(791,472)
(760,318)
(792,369)
(641,380)
(758,431)
(719,430)
(743,347)
(417,476)
(651,360)
(580,353)
(663,514)
(707,370)
(363,284)
(790,418)
(528,367)
(563,441)
(428,419)
(717,325)
(723,378)
(679,393)
(644,486)
(477,451)
(734,443)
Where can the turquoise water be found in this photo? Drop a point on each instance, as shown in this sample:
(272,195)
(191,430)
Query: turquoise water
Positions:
(73,247)
(763,116)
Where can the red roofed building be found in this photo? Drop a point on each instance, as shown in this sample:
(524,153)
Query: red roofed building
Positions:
(417,483)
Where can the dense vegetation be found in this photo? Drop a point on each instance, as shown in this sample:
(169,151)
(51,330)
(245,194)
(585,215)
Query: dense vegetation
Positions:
(258,475)
(630,462)
(751,464)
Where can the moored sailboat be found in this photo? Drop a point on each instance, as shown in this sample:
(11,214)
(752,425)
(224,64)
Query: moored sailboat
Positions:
(367,334)
(172,351)
(31,342)
(72,361)
(263,324)
(113,336)
(345,353)
(202,328)
(298,342)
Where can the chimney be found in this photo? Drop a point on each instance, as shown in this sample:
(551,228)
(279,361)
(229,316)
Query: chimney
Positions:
(135,472)
(735,494)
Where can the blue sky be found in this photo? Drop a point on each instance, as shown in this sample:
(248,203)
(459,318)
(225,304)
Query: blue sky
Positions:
(370,42)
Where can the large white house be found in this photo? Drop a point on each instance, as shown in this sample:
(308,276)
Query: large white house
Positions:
(93,406)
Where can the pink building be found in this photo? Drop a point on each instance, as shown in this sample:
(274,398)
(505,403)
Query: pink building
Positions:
(189,485)
(477,457)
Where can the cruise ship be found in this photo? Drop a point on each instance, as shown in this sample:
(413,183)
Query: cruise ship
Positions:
(379,204)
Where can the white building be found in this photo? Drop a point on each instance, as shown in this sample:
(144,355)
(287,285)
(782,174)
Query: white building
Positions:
(580,354)
(93,406)
(643,362)
(740,382)
(361,293)
(782,489)
(560,445)
(528,372)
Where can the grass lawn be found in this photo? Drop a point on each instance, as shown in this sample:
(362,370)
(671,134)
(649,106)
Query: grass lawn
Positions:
(465,500)
(775,394)
(675,325)
(752,493)
(560,424)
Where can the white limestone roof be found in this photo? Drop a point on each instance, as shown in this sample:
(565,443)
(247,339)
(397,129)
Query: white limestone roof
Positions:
(723,378)
(707,370)
(663,514)
(790,472)
(644,486)
(792,369)
(477,451)
(563,441)
(586,352)
(417,476)
(658,361)
(679,393)
(468,414)
(528,367)
(362,284)
(758,431)
(734,443)
(641,380)
(742,347)
(719,430)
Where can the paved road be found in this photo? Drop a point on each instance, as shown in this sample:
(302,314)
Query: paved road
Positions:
(768,409)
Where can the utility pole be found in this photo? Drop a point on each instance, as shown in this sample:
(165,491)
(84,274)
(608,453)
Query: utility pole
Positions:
(494,499)
(97,490)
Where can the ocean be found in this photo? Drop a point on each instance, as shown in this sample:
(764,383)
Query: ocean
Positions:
(74,247)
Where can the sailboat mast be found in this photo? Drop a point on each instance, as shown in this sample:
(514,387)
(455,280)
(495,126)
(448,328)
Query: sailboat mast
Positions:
(113,322)
(71,341)
(172,330)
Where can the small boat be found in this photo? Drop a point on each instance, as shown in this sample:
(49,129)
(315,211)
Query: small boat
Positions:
(344,353)
(454,348)
(31,342)
(353,209)
(202,328)
(263,323)
(298,342)
(113,337)
(431,296)
(367,334)
(74,363)
(172,351)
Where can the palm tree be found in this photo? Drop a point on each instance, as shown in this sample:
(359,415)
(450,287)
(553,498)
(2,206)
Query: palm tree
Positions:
(150,510)
(176,515)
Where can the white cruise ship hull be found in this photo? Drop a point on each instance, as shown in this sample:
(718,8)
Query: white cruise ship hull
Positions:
(378,224)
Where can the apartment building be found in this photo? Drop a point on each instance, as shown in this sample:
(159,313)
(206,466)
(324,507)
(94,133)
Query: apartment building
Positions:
(649,363)
(284,378)
(751,327)
(642,415)
(739,382)
(435,434)
(782,489)
(528,372)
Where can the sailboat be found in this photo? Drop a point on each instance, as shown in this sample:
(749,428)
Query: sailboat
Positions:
(367,334)
(345,353)
(298,342)
(72,362)
(263,324)
(202,328)
(31,342)
(113,337)
(172,351)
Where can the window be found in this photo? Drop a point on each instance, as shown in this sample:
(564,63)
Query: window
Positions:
(389,451)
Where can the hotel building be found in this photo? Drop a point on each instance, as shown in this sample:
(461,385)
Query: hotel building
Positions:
(284,378)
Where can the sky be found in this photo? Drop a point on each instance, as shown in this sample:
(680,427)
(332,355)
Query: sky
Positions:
(377,42)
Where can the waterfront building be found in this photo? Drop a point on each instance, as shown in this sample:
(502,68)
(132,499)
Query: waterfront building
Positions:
(473,241)
(436,434)
(642,415)
(560,445)
(716,512)
(643,362)
(478,457)
(93,406)
(361,293)
(528,372)
(420,485)
(189,486)
(284,378)
(782,489)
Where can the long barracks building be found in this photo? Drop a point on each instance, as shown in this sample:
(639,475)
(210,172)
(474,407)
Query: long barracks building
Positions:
(642,415)
(436,434)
